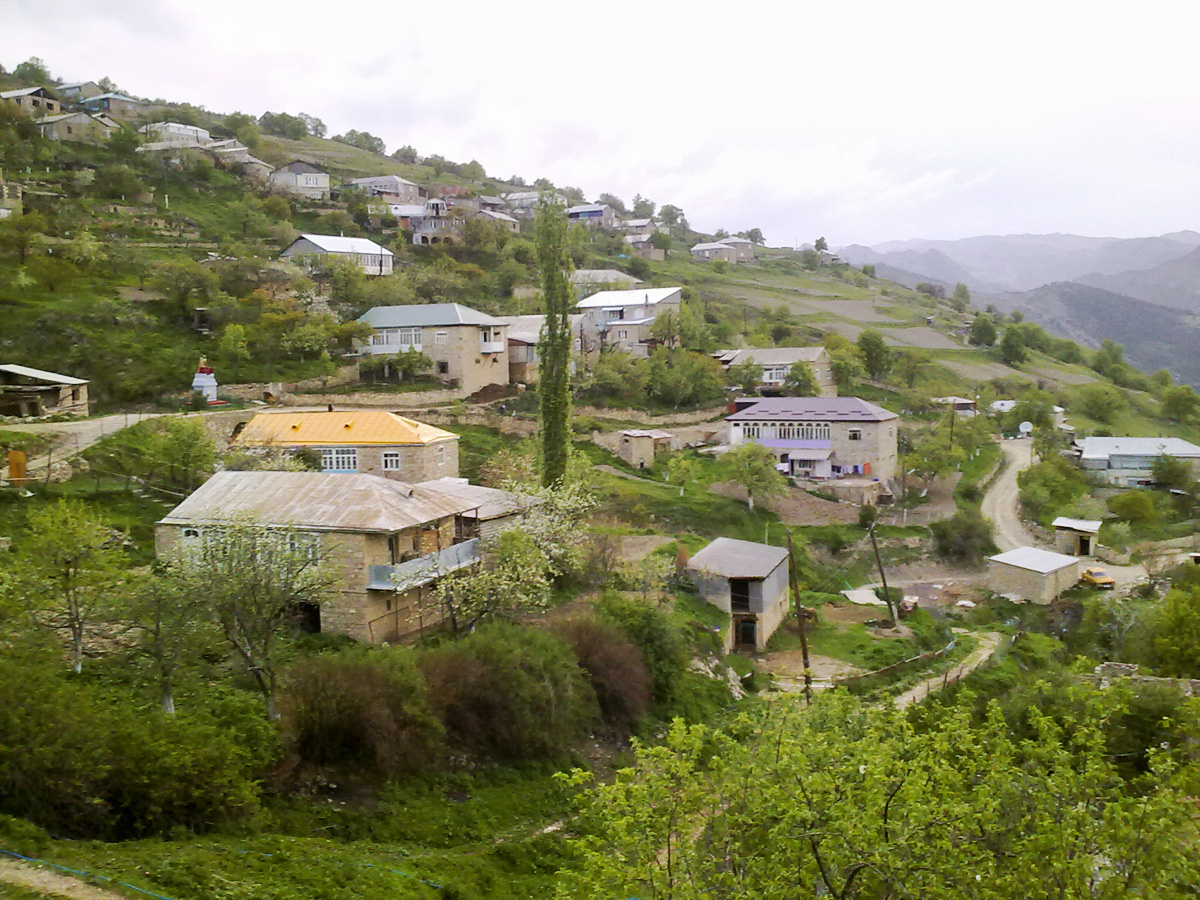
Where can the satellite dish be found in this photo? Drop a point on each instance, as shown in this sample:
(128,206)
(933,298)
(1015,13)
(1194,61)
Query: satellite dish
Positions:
(1025,427)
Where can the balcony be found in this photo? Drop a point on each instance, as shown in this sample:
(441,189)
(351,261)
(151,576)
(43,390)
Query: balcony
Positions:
(423,569)
(492,346)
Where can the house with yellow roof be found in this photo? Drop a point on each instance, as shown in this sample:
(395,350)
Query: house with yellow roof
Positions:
(362,441)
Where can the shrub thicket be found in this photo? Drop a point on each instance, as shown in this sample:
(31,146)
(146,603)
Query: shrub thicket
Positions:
(965,537)
(509,693)
(616,668)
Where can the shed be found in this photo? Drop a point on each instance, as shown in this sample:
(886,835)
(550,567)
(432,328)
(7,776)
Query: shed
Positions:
(639,446)
(1076,536)
(747,580)
(1035,574)
(25,391)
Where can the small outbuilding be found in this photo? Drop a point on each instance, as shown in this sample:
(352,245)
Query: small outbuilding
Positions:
(1076,536)
(25,391)
(638,446)
(1036,575)
(747,580)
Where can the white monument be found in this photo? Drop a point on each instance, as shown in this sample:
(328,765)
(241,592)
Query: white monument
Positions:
(205,381)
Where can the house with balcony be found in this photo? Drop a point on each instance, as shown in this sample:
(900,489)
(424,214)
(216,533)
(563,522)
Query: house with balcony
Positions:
(777,362)
(749,581)
(820,437)
(469,349)
(302,179)
(593,215)
(525,334)
(361,441)
(387,541)
(365,253)
(625,319)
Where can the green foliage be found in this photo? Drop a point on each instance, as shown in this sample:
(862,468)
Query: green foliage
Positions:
(1049,486)
(169,455)
(745,375)
(681,378)
(1101,402)
(614,665)
(966,537)
(663,645)
(1135,507)
(800,381)
(876,356)
(554,390)
(509,693)
(1180,403)
(752,466)
(983,331)
(1012,347)
(363,140)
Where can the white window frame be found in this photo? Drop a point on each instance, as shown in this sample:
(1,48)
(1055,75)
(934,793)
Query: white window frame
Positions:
(854,434)
(441,338)
(391,460)
(339,459)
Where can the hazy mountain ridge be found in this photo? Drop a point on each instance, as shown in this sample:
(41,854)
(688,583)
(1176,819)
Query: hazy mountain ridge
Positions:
(1174,283)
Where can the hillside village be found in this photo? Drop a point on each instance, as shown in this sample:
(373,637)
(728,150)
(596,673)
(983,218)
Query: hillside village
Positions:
(282,575)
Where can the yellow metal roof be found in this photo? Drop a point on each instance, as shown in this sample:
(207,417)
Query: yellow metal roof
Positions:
(332,429)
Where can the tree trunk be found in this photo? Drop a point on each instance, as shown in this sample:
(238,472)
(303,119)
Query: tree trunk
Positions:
(168,698)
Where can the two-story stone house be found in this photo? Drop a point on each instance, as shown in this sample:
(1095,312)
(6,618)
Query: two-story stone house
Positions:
(368,441)
(820,437)
(364,253)
(777,362)
(387,541)
(392,188)
(625,319)
(302,179)
(468,348)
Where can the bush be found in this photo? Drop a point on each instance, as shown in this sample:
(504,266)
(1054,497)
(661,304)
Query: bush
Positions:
(509,693)
(663,644)
(1135,507)
(365,712)
(965,537)
(615,666)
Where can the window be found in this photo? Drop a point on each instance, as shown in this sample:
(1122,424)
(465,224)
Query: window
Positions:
(391,460)
(339,459)
(751,431)
(441,454)
(443,367)
(855,434)
(310,180)
(441,338)
(622,335)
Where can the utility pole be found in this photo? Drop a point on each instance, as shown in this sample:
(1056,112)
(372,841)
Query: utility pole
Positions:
(801,619)
(882,577)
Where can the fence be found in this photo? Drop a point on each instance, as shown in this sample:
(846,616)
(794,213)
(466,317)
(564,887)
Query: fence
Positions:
(861,684)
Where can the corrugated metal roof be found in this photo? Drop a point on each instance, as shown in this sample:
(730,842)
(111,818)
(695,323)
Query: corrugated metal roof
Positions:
(1090,526)
(382,179)
(316,500)
(41,374)
(1104,447)
(331,429)
(602,276)
(331,243)
(712,245)
(771,356)
(736,241)
(586,207)
(1035,560)
(731,558)
(528,329)
(807,409)
(20,92)
(635,297)
(491,503)
(426,314)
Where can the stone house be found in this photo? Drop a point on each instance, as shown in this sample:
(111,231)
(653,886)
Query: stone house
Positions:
(33,101)
(524,335)
(34,392)
(776,362)
(1076,537)
(77,127)
(176,131)
(388,542)
(116,105)
(391,188)
(642,246)
(743,248)
(495,510)
(1039,576)
(468,348)
(820,437)
(366,254)
(79,91)
(714,250)
(373,442)
(593,215)
(624,319)
(1129,461)
(750,582)
(639,446)
(302,179)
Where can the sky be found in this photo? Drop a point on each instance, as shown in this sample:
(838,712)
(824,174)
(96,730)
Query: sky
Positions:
(856,120)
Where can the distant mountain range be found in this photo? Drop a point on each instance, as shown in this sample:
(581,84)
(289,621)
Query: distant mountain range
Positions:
(1143,293)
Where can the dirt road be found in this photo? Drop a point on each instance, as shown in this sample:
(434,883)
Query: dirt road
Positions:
(50,883)
(1000,502)
(75,436)
(988,642)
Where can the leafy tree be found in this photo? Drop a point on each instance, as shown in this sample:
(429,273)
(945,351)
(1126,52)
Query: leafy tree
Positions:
(983,331)
(363,140)
(1180,403)
(961,297)
(32,72)
(20,234)
(755,235)
(1174,473)
(800,381)
(670,215)
(171,627)
(472,171)
(965,537)
(908,365)
(746,375)
(619,377)
(554,390)
(1176,634)
(314,125)
(1100,401)
(1047,487)
(1160,381)
(660,240)
(285,125)
(682,378)
(876,356)
(642,208)
(820,244)
(681,469)
(934,456)
(753,467)
(69,572)
(405,154)
(846,369)
(666,329)
(809,258)
(1136,507)
(252,581)
(869,270)
(1012,349)
(614,201)
(187,284)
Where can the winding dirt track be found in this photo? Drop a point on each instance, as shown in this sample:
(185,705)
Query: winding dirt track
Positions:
(1000,502)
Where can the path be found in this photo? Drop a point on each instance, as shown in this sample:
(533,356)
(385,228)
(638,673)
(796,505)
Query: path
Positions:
(1000,502)
(988,642)
(49,883)
(78,435)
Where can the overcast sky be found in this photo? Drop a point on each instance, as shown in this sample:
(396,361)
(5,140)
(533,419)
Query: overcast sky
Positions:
(860,121)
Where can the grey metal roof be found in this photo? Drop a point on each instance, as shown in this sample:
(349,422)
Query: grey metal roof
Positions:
(635,297)
(332,243)
(1105,447)
(300,166)
(731,558)
(487,503)
(809,409)
(712,245)
(20,92)
(771,356)
(320,501)
(602,276)
(1088,526)
(1035,560)
(426,315)
(41,374)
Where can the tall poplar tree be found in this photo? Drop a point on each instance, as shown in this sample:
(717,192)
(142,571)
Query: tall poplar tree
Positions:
(554,391)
